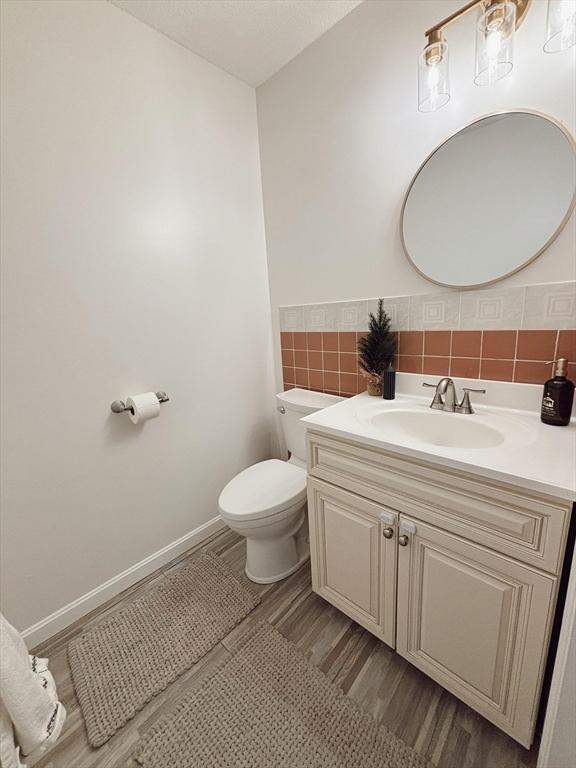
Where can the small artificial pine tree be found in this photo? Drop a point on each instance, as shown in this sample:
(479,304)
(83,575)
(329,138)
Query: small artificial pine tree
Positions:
(376,350)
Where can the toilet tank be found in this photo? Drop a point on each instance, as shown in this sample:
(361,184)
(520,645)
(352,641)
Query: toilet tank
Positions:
(293,405)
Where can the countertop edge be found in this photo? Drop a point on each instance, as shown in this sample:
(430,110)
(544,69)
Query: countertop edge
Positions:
(526,483)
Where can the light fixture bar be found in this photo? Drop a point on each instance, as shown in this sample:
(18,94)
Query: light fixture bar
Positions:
(521,10)
(453,16)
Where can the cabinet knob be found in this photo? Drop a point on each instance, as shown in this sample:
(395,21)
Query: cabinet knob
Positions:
(403,541)
(388,533)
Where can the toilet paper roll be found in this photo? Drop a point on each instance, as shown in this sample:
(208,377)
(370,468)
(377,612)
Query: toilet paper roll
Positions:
(143,407)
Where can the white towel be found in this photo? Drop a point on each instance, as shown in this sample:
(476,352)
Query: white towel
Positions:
(31,717)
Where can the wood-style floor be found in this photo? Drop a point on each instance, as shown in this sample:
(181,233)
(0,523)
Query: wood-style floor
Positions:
(417,710)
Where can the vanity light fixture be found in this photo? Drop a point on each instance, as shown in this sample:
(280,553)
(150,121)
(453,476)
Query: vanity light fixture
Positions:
(433,74)
(495,43)
(497,23)
(495,30)
(560,25)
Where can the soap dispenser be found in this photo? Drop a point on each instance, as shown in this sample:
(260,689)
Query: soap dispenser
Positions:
(558,396)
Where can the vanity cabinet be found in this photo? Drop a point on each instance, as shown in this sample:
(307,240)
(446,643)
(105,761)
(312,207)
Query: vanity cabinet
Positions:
(475,621)
(441,565)
(354,556)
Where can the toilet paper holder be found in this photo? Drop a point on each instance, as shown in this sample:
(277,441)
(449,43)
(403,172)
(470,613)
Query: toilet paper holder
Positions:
(119,406)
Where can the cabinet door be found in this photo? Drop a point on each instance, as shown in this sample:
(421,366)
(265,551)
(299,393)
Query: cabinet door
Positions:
(353,556)
(475,621)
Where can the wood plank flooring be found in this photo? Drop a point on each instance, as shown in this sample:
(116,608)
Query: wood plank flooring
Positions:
(417,710)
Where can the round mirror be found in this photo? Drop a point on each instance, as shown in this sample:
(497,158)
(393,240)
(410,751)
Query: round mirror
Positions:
(490,199)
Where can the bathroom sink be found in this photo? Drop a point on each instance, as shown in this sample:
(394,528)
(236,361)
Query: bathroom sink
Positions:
(501,442)
(437,428)
(412,423)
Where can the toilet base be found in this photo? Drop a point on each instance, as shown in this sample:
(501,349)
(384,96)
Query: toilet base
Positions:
(268,561)
(280,576)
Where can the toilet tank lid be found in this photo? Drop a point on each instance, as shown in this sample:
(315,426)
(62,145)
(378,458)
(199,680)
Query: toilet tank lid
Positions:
(306,401)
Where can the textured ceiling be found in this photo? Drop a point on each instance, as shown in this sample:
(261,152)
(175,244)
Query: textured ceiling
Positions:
(251,39)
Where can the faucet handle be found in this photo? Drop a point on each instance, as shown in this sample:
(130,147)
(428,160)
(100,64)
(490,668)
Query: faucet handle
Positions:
(437,401)
(466,406)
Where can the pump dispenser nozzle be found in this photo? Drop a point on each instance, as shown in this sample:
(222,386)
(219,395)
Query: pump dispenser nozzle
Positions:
(561,366)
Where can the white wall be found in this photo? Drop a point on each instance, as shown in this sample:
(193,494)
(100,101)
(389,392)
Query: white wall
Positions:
(133,259)
(341,138)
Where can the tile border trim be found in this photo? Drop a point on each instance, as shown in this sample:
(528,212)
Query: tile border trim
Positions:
(546,306)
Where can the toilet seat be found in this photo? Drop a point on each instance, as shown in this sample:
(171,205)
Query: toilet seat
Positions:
(263,490)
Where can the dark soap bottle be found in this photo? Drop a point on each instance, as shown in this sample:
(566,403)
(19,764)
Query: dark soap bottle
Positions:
(558,397)
(389,383)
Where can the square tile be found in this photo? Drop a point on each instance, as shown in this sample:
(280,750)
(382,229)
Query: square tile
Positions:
(315,360)
(320,317)
(499,345)
(331,381)
(300,341)
(291,318)
(497,370)
(465,367)
(348,362)
(288,358)
(288,376)
(434,312)
(410,363)
(348,383)
(330,342)
(411,343)
(551,306)
(466,343)
(300,358)
(316,380)
(301,377)
(347,341)
(492,309)
(314,340)
(437,342)
(531,372)
(351,315)
(331,361)
(436,366)
(536,345)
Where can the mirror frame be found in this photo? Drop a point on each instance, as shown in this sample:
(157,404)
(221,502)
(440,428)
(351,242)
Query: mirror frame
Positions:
(529,260)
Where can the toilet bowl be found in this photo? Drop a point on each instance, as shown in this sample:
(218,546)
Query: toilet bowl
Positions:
(266,503)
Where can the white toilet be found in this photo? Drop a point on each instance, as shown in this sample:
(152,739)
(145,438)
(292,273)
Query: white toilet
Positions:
(266,503)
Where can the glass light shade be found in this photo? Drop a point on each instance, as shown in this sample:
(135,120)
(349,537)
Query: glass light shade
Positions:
(560,25)
(433,77)
(495,43)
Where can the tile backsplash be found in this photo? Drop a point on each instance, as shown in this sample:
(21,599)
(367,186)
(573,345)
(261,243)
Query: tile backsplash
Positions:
(503,334)
(551,306)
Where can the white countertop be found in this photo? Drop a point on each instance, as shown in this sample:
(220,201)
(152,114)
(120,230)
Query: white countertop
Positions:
(532,455)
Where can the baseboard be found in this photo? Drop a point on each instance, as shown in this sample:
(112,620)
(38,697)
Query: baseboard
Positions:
(70,613)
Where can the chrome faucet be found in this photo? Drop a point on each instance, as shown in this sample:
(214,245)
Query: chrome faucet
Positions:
(445,397)
(444,389)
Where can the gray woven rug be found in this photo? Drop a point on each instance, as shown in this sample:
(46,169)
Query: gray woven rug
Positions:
(121,664)
(268,707)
